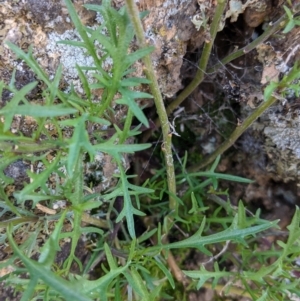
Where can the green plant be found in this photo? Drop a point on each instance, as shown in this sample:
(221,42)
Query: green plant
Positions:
(292,21)
(69,132)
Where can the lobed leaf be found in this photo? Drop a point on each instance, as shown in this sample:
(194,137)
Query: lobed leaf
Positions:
(37,270)
(203,275)
(232,233)
(9,110)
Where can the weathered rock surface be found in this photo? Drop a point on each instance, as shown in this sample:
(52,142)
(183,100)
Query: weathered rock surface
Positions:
(174,28)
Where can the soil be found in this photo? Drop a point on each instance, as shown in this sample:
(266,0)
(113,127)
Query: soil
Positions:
(268,153)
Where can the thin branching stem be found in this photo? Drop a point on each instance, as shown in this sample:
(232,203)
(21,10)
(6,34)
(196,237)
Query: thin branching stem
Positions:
(163,117)
(202,66)
(240,129)
(161,110)
(273,28)
(279,24)
(203,60)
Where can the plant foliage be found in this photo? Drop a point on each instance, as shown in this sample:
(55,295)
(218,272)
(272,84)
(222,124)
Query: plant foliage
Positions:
(70,130)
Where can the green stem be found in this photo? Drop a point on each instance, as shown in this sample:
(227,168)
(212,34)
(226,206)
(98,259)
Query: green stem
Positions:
(127,126)
(161,110)
(77,198)
(107,101)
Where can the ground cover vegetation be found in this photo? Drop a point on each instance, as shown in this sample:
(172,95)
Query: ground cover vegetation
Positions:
(140,235)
